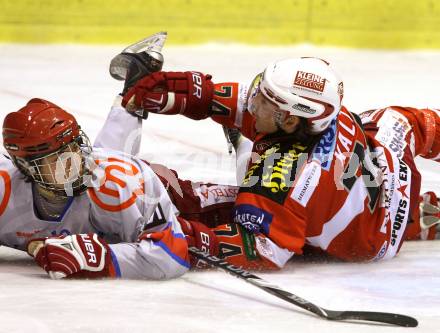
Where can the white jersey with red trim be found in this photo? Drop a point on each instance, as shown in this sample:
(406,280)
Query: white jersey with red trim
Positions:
(128,206)
(18,219)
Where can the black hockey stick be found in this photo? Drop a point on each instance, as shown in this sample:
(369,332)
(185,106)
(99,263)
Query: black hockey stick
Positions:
(381,317)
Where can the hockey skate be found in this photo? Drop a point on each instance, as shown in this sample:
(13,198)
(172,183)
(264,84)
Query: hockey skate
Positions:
(428,225)
(138,60)
(430,214)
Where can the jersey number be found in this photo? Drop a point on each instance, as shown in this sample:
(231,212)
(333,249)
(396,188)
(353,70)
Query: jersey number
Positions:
(228,249)
(366,164)
(219,109)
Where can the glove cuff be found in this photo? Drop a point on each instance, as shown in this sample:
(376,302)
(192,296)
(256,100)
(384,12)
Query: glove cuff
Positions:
(200,96)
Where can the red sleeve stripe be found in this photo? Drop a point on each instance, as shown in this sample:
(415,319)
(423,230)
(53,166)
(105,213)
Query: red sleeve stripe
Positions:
(174,244)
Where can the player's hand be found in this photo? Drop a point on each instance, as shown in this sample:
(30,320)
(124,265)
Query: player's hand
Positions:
(75,256)
(186,93)
(200,236)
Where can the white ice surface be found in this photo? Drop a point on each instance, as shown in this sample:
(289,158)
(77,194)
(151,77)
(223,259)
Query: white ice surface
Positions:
(76,78)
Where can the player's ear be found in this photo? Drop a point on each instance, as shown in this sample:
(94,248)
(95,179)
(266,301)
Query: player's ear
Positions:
(290,124)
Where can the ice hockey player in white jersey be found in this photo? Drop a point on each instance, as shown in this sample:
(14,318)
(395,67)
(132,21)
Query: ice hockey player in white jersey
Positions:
(89,212)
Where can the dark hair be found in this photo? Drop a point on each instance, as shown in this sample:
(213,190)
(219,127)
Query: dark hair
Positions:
(302,133)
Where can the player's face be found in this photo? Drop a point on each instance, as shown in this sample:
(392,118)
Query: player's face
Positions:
(264,112)
(61,167)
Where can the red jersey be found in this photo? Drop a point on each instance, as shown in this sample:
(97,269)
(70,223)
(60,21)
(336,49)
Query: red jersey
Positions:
(349,191)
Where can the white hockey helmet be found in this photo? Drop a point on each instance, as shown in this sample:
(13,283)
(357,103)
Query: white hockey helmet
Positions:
(303,87)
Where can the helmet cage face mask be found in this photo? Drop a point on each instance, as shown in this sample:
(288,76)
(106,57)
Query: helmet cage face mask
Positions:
(63,171)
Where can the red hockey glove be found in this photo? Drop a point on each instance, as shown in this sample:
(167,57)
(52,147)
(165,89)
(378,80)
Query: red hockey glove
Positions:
(186,93)
(75,256)
(200,236)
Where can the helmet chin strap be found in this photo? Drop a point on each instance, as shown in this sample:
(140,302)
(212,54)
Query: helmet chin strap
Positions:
(61,194)
(50,195)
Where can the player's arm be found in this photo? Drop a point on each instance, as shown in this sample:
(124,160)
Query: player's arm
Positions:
(155,256)
(193,95)
(161,248)
(121,131)
(229,108)
(132,210)
(159,252)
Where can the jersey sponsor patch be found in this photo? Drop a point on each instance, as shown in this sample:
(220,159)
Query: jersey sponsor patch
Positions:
(253,219)
(269,250)
(216,194)
(120,185)
(398,213)
(306,184)
(324,150)
(273,174)
(388,177)
(310,81)
(393,128)
(402,209)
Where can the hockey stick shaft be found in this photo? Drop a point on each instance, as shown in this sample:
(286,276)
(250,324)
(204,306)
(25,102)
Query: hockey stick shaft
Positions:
(382,317)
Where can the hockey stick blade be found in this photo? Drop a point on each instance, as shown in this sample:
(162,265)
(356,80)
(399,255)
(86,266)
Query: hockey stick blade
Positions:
(381,317)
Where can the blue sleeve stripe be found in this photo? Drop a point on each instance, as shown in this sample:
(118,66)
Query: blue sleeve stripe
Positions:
(66,208)
(115,264)
(178,235)
(175,234)
(171,254)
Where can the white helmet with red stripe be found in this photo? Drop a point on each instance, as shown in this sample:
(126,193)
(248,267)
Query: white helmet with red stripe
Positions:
(303,87)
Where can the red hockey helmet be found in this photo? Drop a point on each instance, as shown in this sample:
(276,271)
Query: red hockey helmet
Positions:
(40,138)
(37,129)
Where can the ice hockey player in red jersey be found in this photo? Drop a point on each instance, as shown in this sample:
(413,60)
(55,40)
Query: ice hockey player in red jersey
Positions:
(322,177)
